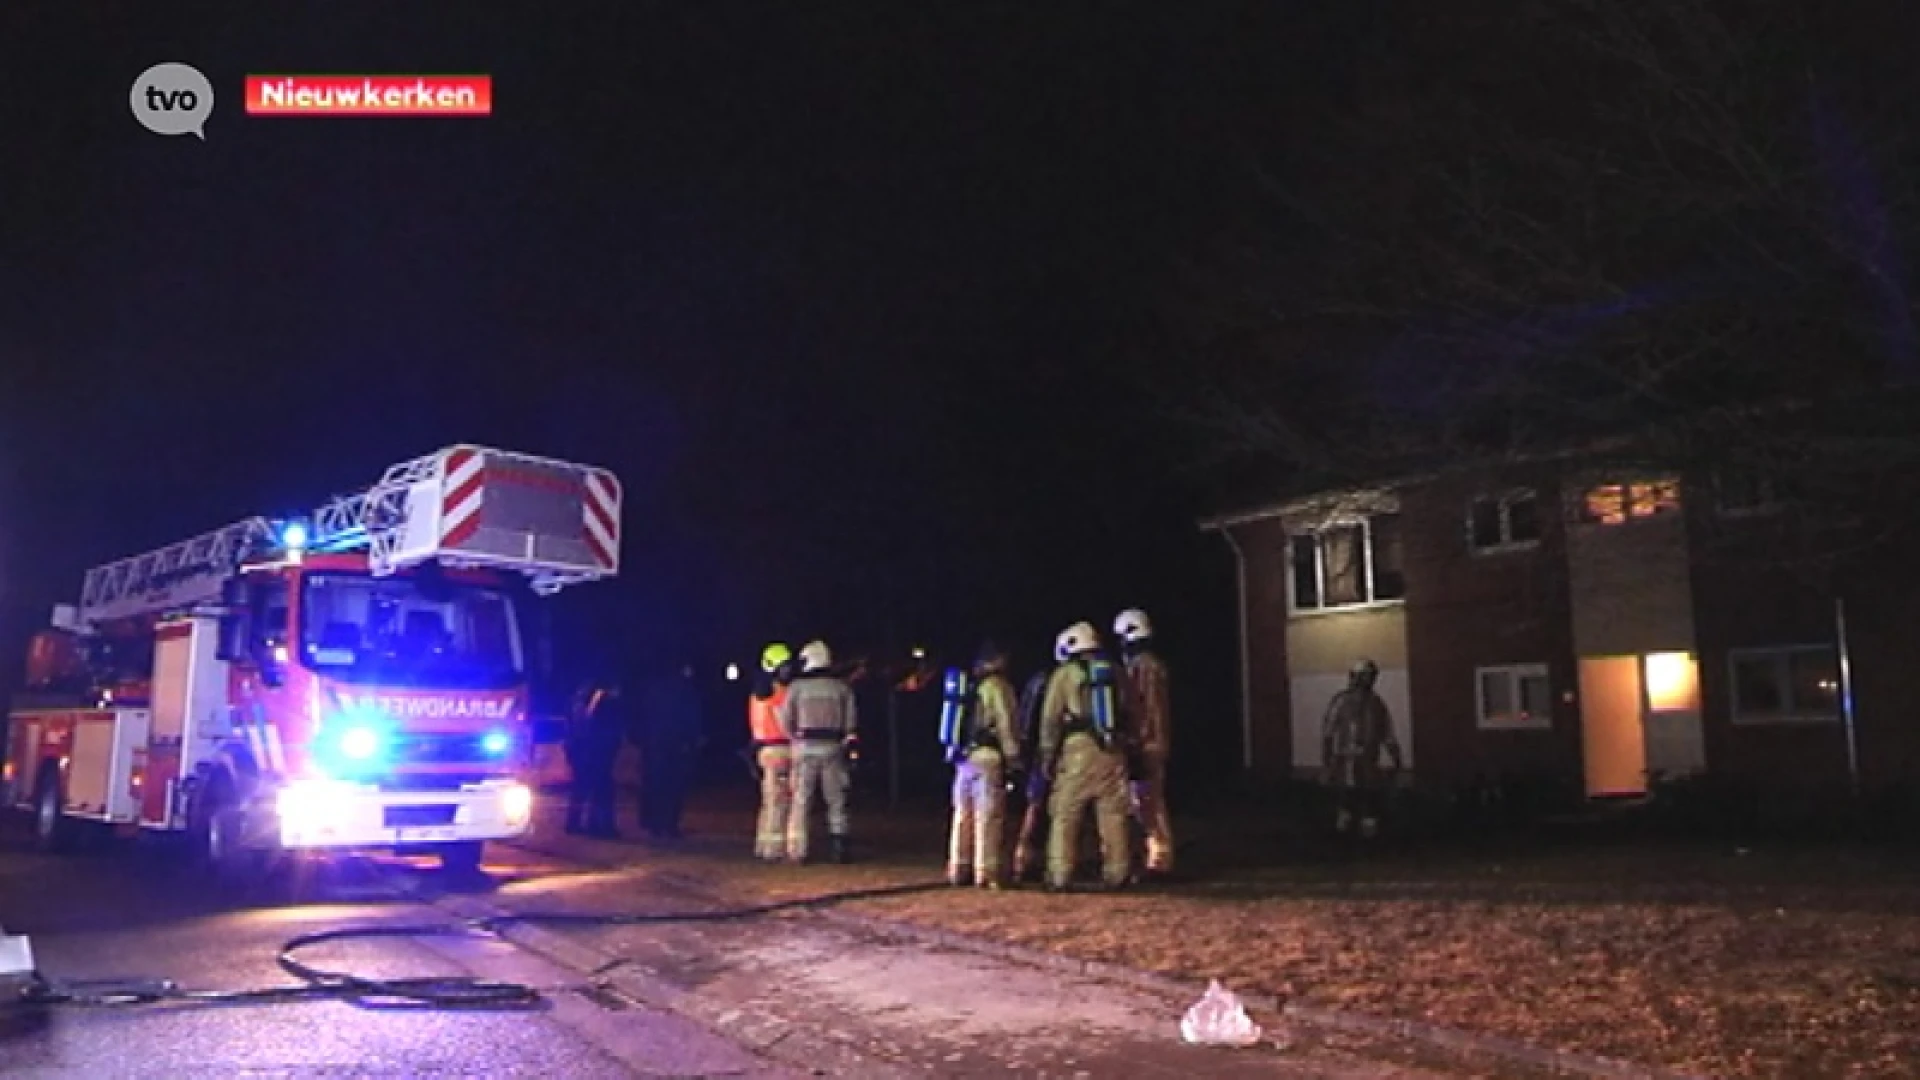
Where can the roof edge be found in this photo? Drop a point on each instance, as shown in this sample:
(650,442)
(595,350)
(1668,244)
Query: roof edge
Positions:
(1312,501)
(1308,500)
(1594,447)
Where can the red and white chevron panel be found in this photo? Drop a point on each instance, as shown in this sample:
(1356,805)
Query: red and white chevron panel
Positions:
(461,496)
(602,508)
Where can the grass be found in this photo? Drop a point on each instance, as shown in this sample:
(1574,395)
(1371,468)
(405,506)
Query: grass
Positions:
(1707,957)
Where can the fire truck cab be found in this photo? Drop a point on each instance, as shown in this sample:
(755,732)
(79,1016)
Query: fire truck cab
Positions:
(357,679)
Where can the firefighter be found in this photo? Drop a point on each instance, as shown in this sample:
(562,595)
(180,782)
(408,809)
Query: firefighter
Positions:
(670,737)
(594,733)
(820,718)
(1080,740)
(1356,731)
(1030,851)
(772,751)
(988,754)
(1149,712)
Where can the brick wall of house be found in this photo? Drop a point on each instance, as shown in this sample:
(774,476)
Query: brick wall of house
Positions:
(1466,611)
(1883,627)
(1743,603)
(1644,586)
(1264,546)
(1631,589)
(1751,597)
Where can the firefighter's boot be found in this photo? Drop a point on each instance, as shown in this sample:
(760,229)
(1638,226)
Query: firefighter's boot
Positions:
(842,848)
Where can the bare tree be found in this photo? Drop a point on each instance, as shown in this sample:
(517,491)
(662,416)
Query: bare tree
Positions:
(1575,220)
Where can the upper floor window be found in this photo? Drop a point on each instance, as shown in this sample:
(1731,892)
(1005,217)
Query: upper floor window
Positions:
(1348,564)
(1738,492)
(1616,504)
(1511,520)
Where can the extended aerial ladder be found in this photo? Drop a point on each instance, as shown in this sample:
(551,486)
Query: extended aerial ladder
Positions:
(555,522)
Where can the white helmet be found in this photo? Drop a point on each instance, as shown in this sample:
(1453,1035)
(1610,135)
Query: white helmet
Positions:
(1077,638)
(815,656)
(1132,625)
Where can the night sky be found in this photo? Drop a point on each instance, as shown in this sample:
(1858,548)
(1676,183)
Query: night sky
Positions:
(886,314)
(856,299)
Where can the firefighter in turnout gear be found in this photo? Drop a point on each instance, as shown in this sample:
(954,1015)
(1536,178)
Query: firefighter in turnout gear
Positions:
(1081,742)
(1357,730)
(772,751)
(1030,851)
(1149,712)
(983,742)
(820,718)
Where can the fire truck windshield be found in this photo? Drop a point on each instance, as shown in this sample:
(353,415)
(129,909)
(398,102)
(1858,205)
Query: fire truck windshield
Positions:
(393,632)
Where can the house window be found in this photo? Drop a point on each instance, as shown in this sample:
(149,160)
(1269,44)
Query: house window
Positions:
(1348,564)
(1793,684)
(1617,504)
(1496,522)
(1514,697)
(1738,492)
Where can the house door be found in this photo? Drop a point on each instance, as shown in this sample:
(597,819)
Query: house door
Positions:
(1676,746)
(1613,732)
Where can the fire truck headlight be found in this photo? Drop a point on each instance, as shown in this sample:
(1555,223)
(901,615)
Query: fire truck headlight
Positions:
(359,744)
(496,743)
(307,803)
(516,804)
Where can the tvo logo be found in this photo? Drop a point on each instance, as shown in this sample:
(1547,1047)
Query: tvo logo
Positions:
(172,99)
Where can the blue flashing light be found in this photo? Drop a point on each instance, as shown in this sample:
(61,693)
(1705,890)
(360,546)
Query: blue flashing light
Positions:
(353,743)
(293,536)
(496,742)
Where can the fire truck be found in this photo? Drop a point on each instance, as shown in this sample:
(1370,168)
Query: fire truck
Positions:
(353,679)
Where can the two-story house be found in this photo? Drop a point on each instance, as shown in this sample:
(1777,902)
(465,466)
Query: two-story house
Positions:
(1587,628)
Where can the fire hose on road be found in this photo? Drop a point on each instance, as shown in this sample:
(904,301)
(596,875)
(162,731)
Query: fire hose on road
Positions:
(321,984)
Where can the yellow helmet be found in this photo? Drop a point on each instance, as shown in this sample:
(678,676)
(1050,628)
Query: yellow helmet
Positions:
(773,656)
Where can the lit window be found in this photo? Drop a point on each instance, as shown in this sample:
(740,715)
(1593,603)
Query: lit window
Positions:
(1649,499)
(1673,682)
(1615,504)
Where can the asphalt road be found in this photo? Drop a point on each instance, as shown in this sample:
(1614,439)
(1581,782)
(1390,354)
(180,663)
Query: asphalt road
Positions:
(764,997)
(132,911)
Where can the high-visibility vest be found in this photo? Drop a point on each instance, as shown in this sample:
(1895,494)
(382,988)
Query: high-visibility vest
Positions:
(763,717)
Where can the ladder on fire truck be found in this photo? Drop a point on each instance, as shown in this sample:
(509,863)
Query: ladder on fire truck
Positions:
(555,522)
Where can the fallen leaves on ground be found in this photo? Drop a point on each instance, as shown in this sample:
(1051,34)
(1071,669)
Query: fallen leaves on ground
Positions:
(1811,976)
(1701,989)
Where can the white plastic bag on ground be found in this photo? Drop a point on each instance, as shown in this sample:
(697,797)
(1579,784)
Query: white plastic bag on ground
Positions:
(1218,1019)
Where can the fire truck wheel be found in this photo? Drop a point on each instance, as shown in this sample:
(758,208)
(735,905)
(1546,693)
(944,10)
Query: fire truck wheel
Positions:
(223,836)
(51,829)
(461,858)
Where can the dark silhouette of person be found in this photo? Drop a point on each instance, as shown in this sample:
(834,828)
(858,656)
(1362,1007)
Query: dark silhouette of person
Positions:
(670,735)
(594,729)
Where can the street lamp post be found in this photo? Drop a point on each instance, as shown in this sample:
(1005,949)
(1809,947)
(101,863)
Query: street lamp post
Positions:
(1846,692)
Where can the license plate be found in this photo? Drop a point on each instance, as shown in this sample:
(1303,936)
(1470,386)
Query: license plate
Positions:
(423,835)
